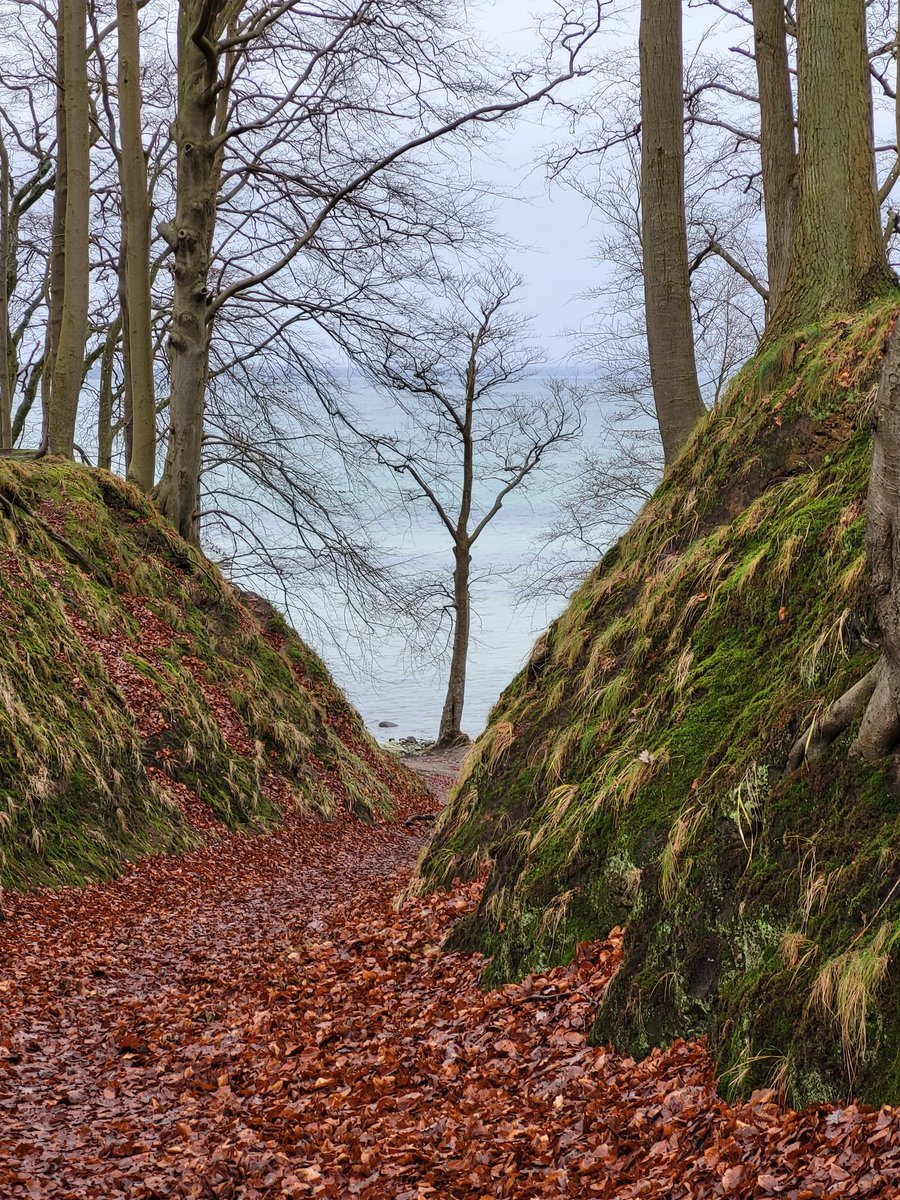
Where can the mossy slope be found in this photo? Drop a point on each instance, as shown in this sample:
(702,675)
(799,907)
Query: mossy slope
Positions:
(144,702)
(634,771)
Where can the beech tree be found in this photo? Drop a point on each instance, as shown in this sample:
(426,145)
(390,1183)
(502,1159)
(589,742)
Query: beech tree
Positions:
(6,375)
(837,259)
(876,697)
(778,150)
(137,315)
(468,437)
(74,184)
(667,291)
(328,59)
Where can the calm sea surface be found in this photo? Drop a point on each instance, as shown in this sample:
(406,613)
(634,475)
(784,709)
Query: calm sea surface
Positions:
(380,676)
(390,687)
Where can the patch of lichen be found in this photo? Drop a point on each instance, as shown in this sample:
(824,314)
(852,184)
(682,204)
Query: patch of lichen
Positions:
(86,562)
(634,771)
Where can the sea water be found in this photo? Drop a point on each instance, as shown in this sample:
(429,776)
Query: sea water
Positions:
(401,693)
(392,685)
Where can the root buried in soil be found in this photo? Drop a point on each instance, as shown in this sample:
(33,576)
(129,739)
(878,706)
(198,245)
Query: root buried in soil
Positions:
(256,1019)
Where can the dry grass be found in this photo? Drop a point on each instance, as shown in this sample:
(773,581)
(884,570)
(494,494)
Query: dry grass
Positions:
(846,988)
(501,738)
(681,835)
(819,661)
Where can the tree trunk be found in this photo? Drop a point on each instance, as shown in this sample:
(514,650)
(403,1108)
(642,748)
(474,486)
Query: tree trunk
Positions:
(670,335)
(837,260)
(877,695)
(29,396)
(190,238)
(68,367)
(778,147)
(450,732)
(126,424)
(106,398)
(141,463)
(6,374)
(56,268)
(880,730)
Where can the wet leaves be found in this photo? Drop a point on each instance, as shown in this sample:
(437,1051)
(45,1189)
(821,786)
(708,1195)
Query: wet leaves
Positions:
(257,1020)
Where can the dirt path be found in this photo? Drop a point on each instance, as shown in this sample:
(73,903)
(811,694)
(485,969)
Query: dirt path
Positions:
(257,1020)
(439,769)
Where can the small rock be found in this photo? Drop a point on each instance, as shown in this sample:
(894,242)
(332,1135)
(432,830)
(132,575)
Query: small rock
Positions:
(387,724)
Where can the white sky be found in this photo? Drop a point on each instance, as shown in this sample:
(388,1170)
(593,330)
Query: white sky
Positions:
(555,227)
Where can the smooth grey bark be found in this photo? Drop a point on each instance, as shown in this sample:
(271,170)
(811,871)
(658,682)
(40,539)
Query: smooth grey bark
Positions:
(56,267)
(68,366)
(778,148)
(667,295)
(105,426)
(29,398)
(837,260)
(6,374)
(137,318)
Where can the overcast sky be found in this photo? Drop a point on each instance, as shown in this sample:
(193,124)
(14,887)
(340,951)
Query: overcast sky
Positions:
(555,226)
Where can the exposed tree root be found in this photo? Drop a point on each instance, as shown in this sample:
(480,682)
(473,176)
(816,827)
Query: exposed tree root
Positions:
(879,733)
(838,717)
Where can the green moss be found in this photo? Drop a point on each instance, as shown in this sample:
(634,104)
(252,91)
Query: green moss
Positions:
(671,690)
(112,618)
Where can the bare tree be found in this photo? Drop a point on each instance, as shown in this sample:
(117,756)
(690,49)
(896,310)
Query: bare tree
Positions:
(468,439)
(667,298)
(240,98)
(68,363)
(6,259)
(837,257)
(135,253)
(610,483)
(778,150)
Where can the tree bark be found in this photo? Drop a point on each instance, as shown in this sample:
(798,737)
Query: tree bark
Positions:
(837,260)
(137,321)
(105,431)
(6,375)
(670,335)
(68,367)
(877,695)
(778,148)
(190,238)
(880,730)
(450,732)
(29,396)
(56,268)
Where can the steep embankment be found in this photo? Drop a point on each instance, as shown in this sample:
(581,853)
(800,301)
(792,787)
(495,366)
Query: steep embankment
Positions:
(634,772)
(144,703)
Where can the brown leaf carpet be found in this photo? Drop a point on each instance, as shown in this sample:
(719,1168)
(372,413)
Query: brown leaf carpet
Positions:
(257,1020)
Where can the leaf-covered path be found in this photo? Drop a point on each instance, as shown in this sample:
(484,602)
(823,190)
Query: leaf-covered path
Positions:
(257,1020)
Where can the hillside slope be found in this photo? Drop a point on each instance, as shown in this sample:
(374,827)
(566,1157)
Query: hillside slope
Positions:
(145,704)
(634,772)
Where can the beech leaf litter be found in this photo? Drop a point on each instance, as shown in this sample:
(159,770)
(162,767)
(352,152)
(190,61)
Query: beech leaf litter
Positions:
(258,1019)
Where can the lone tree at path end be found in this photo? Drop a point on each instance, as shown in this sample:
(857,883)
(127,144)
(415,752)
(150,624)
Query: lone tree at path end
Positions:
(467,438)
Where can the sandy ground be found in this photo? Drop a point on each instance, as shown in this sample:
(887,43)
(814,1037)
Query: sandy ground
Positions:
(439,769)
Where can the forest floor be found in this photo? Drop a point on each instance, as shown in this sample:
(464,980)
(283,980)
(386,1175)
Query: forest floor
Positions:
(258,1019)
